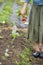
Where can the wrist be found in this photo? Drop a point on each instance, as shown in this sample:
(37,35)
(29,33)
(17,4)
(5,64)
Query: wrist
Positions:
(25,6)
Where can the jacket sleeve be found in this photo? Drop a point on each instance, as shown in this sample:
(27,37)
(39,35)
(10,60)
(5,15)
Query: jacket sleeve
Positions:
(27,1)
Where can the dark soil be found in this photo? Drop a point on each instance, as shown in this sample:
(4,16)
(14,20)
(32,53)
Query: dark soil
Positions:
(15,47)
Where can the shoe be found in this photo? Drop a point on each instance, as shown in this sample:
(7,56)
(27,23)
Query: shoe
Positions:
(41,55)
(36,54)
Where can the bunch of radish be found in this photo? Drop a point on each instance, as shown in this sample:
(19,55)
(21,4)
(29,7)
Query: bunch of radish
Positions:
(24,17)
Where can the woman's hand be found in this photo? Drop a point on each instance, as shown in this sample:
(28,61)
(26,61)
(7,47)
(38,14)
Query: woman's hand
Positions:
(23,11)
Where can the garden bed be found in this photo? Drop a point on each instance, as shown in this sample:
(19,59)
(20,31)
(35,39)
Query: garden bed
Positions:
(13,47)
(15,51)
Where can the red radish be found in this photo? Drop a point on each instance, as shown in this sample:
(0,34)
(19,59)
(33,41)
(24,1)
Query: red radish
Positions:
(24,18)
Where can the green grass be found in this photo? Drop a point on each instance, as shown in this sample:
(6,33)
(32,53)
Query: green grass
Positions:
(5,13)
(25,57)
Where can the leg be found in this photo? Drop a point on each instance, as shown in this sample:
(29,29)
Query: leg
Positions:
(36,47)
(37,50)
(42,47)
(41,50)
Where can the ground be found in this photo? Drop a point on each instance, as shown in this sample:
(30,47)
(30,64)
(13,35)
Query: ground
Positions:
(14,47)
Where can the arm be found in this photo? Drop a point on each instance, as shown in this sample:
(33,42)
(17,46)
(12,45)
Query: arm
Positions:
(25,7)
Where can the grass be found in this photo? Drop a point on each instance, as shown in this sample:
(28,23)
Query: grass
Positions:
(25,57)
(5,13)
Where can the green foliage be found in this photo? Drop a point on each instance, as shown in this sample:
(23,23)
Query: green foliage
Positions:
(17,63)
(18,12)
(25,57)
(19,2)
(31,1)
(1,1)
(5,13)
(14,34)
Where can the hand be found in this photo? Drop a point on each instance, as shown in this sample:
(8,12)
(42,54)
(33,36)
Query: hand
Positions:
(23,12)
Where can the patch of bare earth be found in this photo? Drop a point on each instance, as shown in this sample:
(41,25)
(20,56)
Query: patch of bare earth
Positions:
(14,48)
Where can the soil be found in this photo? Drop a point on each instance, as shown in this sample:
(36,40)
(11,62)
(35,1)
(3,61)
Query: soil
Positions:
(14,47)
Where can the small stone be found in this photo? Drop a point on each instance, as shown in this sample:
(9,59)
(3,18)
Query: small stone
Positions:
(0,63)
(3,22)
(6,50)
(6,54)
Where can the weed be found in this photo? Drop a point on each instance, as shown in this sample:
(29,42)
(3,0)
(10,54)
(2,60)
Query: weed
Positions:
(25,57)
